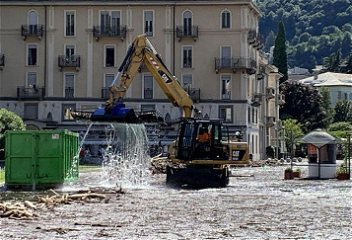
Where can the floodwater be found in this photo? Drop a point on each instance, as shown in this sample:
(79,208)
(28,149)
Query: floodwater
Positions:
(257,204)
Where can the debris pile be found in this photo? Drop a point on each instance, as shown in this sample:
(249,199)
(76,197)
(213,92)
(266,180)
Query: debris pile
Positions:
(159,163)
(30,209)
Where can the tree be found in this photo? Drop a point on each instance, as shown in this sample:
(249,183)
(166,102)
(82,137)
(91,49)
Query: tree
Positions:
(292,132)
(280,55)
(8,121)
(330,112)
(304,103)
(343,111)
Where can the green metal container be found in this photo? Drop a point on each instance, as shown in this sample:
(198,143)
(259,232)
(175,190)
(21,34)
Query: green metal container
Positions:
(40,158)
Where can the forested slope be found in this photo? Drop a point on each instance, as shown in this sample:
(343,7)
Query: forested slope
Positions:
(314,28)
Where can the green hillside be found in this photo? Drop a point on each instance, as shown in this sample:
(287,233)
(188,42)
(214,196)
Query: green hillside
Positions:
(314,28)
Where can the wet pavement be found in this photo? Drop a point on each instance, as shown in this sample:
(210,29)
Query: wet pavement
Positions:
(257,204)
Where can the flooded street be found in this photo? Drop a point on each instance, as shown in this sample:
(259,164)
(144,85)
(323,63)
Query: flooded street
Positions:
(257,204)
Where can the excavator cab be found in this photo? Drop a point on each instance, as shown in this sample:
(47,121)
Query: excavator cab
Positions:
(201,140)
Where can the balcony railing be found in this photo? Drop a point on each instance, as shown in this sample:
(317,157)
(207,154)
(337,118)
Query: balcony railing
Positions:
(72,61)
(193,93)
(255,39)
(69,92)
(109,31)
(32,31)
(30,92)
(236,63)
(148,93)
(226,96)
(2,61)
(187,32)
(105,93)
(257,100)
(270,121)
(281,99)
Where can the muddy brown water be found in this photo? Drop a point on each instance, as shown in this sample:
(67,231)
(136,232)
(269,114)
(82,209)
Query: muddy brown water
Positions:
(257,204)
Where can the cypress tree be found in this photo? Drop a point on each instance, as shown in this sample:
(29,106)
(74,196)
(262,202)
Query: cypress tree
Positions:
(280,55)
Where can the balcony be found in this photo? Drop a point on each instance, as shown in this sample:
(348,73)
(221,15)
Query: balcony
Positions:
(32,31)
(105,93)
(249,65)
(2,61)
(193,93)
(257,100)
(72,61)
(281,99)
(270,93)
(270,121)
(255,39)
(187,32)
(107,31)
(30,92)
(69,92)
(226,96)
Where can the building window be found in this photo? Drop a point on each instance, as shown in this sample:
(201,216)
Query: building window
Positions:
(32,55)
(70,23)
(225,113)
(31,80)
(33,23)
(110,22)
(226,57)
(66,116)
(110,56)
(69,85)
(30,111)
(225,87)
(249,114)
(148,23)
(187,57)
(148,87)
(225,19)
(187,23)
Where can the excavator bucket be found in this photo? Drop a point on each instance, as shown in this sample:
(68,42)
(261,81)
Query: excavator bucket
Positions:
(118,114)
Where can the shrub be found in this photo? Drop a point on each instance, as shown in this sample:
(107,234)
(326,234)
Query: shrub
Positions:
(340,126)
(8,121)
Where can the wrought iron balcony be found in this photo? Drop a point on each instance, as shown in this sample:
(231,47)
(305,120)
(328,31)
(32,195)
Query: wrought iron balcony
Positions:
(32,31)
(109,31)
(270,93)
(226,96)
(281,99)
(187,32)
(105,93)
(270,121)
(69,92)
(31,92)
(2,61)
(257,100)
(72,61)
(234,64)
(255,39)
(193,93)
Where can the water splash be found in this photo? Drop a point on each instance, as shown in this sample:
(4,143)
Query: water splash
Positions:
(126,161)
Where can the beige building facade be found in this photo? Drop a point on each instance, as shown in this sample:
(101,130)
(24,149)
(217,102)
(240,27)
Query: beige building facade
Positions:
(56,55)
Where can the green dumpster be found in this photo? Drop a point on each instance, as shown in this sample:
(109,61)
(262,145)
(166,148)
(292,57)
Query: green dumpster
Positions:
(40,158)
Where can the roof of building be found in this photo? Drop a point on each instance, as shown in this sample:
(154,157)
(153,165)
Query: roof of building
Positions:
(329,79)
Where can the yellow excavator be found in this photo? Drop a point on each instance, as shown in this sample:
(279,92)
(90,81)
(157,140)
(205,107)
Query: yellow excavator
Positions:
(205,160)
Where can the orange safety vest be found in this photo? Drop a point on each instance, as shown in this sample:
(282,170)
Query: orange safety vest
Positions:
(203,138)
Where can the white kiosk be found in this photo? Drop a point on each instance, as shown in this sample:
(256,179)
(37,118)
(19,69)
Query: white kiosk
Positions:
(321,154)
